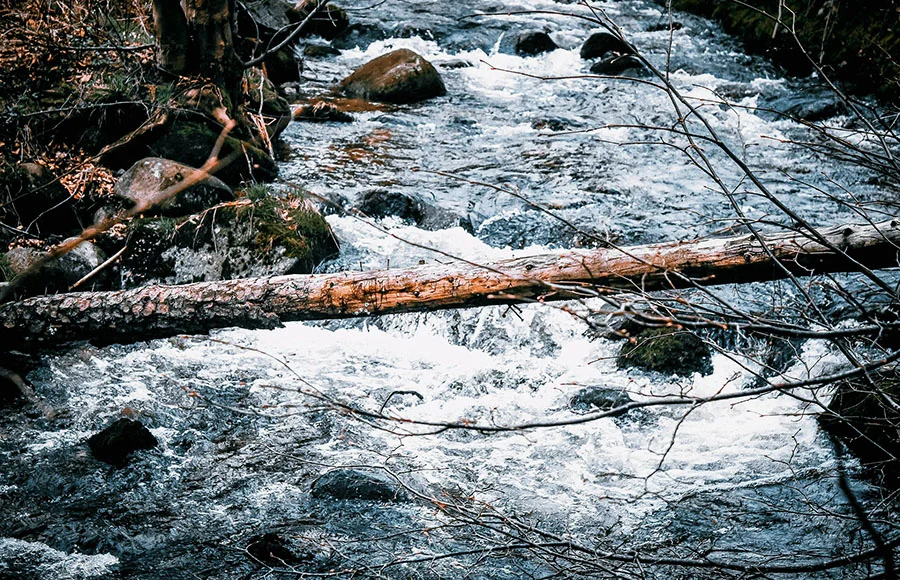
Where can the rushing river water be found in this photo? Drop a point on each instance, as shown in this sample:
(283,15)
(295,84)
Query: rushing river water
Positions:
(241,443)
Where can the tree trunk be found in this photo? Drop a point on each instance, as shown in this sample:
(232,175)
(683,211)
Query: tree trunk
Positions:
(172,36)
(195,38)
(157,311)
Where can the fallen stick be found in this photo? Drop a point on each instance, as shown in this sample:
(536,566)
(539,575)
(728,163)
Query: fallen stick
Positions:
(158,311)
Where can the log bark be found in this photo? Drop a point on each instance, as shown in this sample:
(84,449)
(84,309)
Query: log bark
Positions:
(158,311)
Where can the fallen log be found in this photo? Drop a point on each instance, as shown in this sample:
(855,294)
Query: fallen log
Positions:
(158,311)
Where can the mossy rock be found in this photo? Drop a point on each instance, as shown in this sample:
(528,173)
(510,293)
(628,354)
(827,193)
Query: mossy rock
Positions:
(667,350)
(861,418)
(254,237)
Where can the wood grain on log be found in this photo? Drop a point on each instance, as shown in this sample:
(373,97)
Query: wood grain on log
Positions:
(157,311)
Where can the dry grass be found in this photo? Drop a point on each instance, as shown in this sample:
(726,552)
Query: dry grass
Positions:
(54,55)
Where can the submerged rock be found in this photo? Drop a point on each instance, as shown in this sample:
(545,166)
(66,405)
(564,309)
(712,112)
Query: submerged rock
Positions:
(353,484)
(148,179)
(534,42)
(381,203)
(319,51)
(599,398)
(600,43)
(359,35)
(617,64)
(667,350)
(401,76)
(114,444)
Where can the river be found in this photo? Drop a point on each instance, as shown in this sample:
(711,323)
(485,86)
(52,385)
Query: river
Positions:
(242,440)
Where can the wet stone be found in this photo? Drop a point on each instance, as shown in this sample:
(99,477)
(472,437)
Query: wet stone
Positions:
(114,444)
(659,26)
(618,64)
(601,43)
(599,398)
(401,76)
(319,51)
(383,203)
(534,42)
(353,484)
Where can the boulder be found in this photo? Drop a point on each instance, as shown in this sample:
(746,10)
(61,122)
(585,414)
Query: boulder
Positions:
(401,76)
(381,203)
(599,399)
(282,67)
(114,444)
(617,64)
(660,26)
(353,484)
(319,51)
(600,43)
(267,236)
(56,275)
(667,350)
(11,392)
(148,179)
(261,19)
(263,98)
(31,197)
(534,42)
(189,140)
(328,23)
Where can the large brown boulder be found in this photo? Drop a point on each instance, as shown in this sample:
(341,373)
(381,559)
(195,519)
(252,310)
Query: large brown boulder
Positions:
(401,76)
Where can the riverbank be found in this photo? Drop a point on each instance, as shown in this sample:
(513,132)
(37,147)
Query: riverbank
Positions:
(856,44)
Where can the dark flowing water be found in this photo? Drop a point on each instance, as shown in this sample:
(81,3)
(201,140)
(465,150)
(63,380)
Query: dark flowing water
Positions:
(240,446)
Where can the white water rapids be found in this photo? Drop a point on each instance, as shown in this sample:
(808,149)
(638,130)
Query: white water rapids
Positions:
(240,443)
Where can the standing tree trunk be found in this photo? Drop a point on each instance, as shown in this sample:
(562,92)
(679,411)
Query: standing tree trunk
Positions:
(195,38)
(172,36)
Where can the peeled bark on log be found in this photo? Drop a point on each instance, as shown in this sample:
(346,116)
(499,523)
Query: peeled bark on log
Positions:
(157,311)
